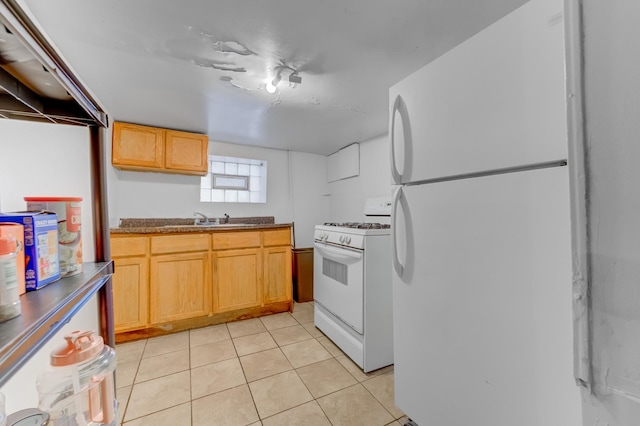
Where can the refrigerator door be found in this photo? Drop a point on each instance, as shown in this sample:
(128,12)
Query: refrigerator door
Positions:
(502,91)
(482,301)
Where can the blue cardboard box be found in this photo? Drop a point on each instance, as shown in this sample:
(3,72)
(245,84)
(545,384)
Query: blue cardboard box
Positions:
(41,257)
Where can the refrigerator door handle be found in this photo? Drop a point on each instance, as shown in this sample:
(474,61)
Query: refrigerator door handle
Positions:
(399,107)
(397,265)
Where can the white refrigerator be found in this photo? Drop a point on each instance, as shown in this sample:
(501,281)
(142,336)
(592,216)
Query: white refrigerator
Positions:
(480,231)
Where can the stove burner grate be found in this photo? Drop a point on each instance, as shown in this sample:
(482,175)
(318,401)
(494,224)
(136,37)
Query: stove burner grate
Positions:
(359,225)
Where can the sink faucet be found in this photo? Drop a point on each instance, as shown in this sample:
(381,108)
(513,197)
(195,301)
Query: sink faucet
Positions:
(226,218)
(203,216)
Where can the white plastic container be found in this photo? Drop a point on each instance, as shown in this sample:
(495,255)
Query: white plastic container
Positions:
(69,214)
(9,297)
(78,389)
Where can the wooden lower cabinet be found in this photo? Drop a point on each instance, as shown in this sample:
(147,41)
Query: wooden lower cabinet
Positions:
(236,279)
(164,283)
(277,274)
(179,287)
(131,293)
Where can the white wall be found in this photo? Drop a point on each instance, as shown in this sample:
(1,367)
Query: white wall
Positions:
(612,93)
(348,195)
(295,187)
(310,195)
(39,159)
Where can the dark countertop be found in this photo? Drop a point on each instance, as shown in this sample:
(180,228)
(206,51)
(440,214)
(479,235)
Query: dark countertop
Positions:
(176,225)
(191,228)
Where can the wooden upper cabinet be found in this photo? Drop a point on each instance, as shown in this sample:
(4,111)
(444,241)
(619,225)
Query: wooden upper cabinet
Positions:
(186,151)
(137,147)
(143,148)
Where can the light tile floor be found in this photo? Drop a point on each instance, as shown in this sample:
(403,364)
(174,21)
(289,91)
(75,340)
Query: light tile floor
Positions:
(275,370)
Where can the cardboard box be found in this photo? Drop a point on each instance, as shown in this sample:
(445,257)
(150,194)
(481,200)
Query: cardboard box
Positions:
(16,231)
(42,261)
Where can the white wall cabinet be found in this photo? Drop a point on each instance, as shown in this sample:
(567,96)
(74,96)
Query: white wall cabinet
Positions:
(344,163)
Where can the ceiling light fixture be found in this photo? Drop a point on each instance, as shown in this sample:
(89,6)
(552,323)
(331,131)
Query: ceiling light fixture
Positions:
(294,78)
(271,85)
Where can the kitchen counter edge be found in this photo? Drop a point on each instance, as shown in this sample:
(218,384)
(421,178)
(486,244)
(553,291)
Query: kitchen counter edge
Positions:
(180,229)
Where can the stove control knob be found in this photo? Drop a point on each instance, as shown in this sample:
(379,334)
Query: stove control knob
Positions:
(347,240)
(341,238)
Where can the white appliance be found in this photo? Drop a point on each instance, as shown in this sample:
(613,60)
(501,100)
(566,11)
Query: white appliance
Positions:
(352,286)
(481,233)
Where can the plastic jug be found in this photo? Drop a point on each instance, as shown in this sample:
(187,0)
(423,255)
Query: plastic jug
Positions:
(78,388)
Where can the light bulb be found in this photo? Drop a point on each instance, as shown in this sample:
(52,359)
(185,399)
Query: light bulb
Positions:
(271,85)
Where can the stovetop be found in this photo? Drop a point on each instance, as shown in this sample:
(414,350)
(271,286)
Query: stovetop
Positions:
(359,225)
(350,234)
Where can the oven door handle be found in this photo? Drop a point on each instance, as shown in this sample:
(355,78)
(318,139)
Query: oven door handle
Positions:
(338,254)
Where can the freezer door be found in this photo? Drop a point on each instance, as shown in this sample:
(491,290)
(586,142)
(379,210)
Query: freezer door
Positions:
(495,101)
(483,305)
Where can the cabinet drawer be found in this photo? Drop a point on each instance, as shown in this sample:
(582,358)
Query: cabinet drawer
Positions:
(231,240)
(280,237)
(179,243)
(128,246)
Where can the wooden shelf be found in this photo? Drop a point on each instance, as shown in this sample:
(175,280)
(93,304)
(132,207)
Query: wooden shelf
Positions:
(44,312)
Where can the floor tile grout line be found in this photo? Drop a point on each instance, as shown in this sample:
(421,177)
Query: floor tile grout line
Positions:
(374,397)
(295,369)
(244,374)
(134,377)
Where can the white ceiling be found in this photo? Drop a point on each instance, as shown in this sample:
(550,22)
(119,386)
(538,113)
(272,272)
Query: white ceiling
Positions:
(176,64)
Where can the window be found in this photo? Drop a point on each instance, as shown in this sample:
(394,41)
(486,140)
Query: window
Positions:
(234,180)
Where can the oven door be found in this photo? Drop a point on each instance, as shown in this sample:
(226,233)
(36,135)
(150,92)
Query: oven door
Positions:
(338,283)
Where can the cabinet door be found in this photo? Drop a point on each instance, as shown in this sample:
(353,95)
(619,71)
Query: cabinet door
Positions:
(236,282)
(131,293)
(137,146)
(179,287)
(186,152)
(277,274)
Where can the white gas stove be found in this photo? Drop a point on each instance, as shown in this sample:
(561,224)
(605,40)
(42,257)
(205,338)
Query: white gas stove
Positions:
(350,234)
(352,286)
